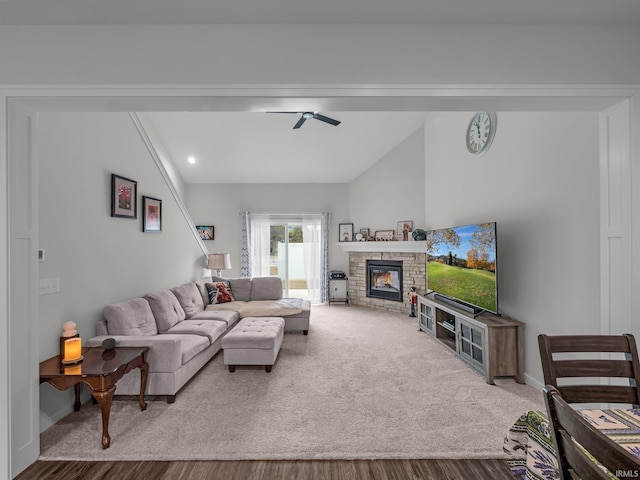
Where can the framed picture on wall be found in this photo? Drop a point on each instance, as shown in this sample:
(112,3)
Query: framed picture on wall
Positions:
(205,231)
(152,214)
(124,194)
(346,232)
(403,233)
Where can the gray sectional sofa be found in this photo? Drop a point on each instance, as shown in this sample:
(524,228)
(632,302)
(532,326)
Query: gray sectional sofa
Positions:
(184,331)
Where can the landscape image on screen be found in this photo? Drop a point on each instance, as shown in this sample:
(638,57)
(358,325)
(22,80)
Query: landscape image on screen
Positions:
(461,264)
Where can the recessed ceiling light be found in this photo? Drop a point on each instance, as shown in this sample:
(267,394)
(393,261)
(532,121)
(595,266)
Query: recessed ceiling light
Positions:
(191,160)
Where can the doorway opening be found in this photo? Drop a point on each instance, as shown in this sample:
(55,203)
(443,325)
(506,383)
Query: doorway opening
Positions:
(287,258)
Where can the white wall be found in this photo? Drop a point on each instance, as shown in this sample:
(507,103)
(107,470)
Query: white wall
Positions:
(319,54)
(392,189)
(220,205)
(540,183)
(99,259)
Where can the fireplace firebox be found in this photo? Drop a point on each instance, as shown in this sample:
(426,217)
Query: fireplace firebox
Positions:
(384,279)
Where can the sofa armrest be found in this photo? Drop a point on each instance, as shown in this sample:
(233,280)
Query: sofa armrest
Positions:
(165,351)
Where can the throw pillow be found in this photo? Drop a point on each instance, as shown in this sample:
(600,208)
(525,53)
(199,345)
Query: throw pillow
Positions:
(219,292)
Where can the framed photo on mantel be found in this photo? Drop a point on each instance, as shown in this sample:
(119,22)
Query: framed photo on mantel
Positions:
(346,232)
(405,227)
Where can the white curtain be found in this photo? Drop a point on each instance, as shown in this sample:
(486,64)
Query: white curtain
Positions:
(311,250)
(259,244)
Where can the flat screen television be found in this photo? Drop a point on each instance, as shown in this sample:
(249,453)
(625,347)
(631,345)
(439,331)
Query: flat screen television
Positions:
(461,265)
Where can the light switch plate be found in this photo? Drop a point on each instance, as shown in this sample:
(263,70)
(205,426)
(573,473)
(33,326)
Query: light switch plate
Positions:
(48,286)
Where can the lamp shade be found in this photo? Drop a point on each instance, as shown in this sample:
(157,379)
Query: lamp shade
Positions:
(219,261)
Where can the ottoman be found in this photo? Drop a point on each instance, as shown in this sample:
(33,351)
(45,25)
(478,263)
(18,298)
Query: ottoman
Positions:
(253,341)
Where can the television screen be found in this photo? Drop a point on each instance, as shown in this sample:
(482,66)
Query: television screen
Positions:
(461,264)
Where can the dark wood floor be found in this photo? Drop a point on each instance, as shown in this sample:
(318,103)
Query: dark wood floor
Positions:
(271,469)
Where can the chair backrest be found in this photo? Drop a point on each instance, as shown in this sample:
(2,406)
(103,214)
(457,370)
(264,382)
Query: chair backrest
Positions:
(568,429)
(592,391)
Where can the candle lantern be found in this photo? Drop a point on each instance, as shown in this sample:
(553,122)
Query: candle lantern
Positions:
(70,344)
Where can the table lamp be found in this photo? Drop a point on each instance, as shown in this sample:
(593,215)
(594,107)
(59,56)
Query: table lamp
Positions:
(219,262)
(70,344)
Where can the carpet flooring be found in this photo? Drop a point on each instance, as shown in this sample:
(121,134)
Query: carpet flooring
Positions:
(363,384)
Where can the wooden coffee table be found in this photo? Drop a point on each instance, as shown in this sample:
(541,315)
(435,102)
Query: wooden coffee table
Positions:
(100,370)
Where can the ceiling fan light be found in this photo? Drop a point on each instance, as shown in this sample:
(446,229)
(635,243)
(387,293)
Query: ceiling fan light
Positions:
(307,115)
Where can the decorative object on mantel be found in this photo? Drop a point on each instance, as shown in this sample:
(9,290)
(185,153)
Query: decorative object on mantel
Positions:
(418,234)
(365,236)
(219,262)
(205,231)
(384,235)
(405,227)
(346,232)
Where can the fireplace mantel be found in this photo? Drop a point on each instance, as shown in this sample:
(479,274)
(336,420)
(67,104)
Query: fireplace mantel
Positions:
(404,247)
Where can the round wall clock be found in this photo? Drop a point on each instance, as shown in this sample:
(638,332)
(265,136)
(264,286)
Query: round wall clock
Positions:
(480,132)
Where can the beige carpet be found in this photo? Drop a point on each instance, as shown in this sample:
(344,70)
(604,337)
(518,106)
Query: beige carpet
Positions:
(362,384)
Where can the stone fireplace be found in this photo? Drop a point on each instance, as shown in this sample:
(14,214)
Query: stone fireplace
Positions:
(413,274)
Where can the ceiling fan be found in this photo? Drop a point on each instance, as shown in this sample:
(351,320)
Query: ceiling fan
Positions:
(308,115)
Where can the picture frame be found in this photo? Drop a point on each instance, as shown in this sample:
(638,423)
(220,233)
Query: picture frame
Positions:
(124,196)
(206,231)
(151,215)
(384,235)
(365,232)
(403,231)
(345,232)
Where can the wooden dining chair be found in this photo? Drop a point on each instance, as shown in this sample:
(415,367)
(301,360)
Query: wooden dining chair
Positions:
(573,437)
(590,371)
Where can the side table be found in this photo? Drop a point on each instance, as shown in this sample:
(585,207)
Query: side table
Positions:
(100,370)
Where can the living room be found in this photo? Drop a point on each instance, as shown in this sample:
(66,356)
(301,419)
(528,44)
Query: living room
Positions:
(110,259)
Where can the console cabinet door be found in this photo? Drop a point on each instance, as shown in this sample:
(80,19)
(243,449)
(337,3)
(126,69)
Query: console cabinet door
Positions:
(471,344)
(426,315)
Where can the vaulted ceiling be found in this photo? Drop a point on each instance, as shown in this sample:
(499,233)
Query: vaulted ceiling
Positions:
(257,147)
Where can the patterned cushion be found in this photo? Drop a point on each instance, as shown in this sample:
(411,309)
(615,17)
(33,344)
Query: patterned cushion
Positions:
(219,292)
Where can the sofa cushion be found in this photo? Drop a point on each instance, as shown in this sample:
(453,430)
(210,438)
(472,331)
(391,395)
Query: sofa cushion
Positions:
(219,292)
(189,297)
(241,287)
(229,317)
(266,288)
(133,317)
(166,309)
(202,288)
(212,329)
(192,345)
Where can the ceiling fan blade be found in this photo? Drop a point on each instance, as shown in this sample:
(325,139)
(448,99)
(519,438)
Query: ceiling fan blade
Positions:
(300,122)
(322,118)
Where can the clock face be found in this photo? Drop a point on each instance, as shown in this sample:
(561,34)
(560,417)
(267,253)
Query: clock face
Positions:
(480,132)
